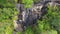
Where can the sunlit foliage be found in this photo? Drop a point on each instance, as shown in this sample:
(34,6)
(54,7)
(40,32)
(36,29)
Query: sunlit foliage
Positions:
(50,23)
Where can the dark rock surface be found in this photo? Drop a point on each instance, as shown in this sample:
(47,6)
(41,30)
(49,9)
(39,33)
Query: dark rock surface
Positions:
(29,16)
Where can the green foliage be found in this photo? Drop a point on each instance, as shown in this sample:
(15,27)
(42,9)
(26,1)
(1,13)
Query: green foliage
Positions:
(8,30)
(29,31)
(54,15)
(49,32)
(7,3)
(28,4)
(7,15)
(50,23)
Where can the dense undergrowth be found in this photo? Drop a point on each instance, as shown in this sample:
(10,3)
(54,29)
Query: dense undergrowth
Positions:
(50,23)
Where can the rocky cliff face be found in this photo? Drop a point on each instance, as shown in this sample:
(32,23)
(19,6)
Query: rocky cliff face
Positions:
(32,14)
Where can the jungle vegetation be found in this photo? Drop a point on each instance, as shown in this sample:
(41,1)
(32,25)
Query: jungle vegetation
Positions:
(50,23)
